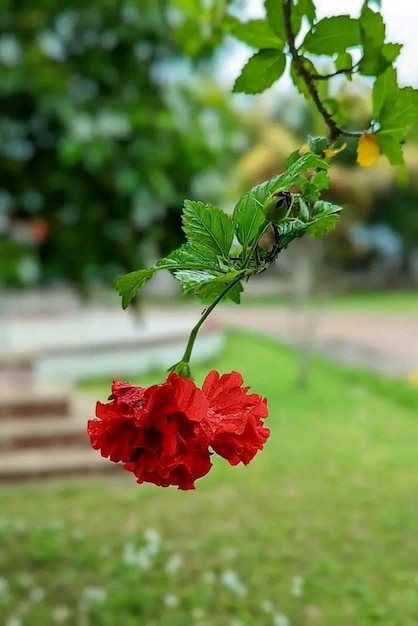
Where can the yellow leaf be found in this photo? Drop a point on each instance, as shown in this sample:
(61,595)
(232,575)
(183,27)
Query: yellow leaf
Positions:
(367,150)
(304,149)
(332,152)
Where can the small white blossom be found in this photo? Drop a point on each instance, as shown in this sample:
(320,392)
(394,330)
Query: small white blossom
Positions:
(95,594)
(4,587)
(152,539)
(60,614)
(19,525)
(281,620)
(170,600)
(77,534)
(173,564)
(197,613)
(10,50)
(230,580)
(267,606)
(13,620)
(208,577)
(24,580)
(297,586)
(37,594)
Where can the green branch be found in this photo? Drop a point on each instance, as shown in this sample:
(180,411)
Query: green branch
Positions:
(192,338)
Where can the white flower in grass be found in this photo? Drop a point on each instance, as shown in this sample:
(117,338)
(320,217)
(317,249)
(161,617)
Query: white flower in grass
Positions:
(170,600)
(4,587)
(267,606)
(197,613)
(78,534)
(60,614)
(104,551)
(136,558)
(297,586)
(13,620)
(230,581)
(24,580)
(209,577)
(37,594)
(173,564)
(20,525)
(56,524)
(95,594)
(152,540)
(281,620)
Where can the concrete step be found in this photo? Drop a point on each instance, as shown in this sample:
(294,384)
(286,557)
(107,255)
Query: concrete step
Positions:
(23,400)
(21,434)
(55,462)
(16,364)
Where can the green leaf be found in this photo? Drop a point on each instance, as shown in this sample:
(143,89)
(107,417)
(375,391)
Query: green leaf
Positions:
(208,286)
(321,227)
(322,209)
(311,189)
(131,283)
(292,158)
(377,56)
(399,111)
(390,146)
(208,292)
(255,33)
(189,256)
(294,174)
(332,35)
(317,144)
(384,85)
(303,210)
(306,8)
(396,110)
(261,71)
(343,61)
(275,17)
(288,231)
(324,217)
(248,214)
(391,51)
(208,227)
(321,180)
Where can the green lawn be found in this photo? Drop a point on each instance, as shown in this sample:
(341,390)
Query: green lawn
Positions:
(319,530)
(379,301)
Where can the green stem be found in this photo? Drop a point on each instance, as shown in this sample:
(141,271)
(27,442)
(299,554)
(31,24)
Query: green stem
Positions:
(208,311)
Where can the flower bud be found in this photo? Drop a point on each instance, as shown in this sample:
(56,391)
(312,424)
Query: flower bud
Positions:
(182,369)
(277,206)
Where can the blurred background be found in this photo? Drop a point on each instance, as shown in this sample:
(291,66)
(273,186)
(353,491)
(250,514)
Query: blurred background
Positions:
(111,114)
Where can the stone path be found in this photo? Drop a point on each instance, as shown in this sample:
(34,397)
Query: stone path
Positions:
(383,342)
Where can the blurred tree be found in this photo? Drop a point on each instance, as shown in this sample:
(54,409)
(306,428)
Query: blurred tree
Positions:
(104,130)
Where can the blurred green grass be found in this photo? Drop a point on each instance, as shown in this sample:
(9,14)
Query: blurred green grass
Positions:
(379,302)
(404,302)
(320,529)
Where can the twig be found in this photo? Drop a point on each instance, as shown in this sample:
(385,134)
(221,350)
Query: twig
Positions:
(334,130)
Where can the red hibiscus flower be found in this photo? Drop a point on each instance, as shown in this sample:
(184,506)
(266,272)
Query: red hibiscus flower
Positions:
(155,432)
(162,434)
(234,418)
